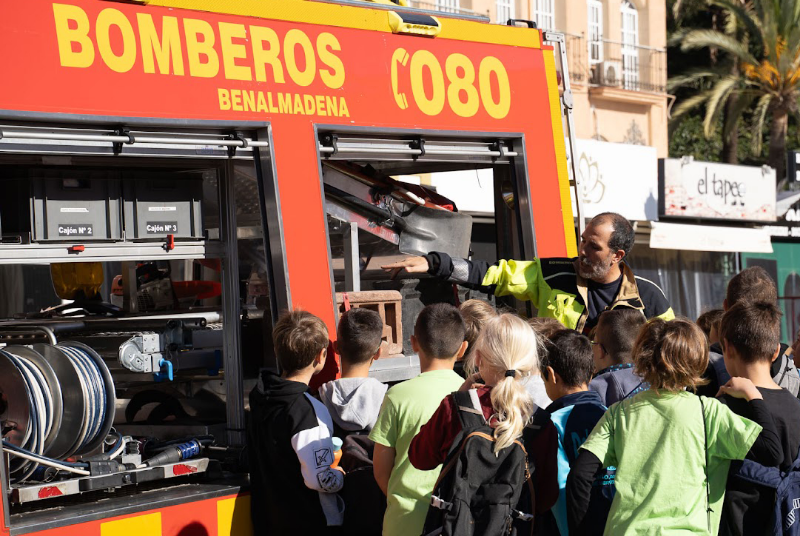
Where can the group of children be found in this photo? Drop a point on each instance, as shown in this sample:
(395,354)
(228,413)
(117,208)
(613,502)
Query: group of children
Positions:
(623,445)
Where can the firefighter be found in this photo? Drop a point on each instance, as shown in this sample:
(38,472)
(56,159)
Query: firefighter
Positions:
(573,291)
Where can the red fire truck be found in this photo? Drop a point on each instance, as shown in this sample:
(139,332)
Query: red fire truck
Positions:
(176,173)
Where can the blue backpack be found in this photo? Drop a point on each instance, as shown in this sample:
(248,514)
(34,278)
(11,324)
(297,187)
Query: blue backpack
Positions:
(786,516)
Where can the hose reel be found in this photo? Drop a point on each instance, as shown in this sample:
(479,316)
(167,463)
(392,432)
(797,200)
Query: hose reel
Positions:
(60,402)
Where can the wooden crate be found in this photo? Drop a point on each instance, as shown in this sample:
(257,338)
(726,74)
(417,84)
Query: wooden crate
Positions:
(387,304)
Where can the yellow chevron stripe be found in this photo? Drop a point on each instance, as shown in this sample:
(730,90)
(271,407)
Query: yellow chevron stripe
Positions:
(561,153)
(144,525)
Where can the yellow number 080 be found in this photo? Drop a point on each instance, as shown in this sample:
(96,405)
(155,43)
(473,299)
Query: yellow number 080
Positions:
(460,92)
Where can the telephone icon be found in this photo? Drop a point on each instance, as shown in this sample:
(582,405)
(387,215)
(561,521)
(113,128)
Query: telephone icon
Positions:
(400,56)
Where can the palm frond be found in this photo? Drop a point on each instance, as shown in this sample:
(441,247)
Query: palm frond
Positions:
(690,104)
(677,37)
(716,102)
(759,117)
(730,26)
(796,12)
(743,16)
(793,46)
(689,78)
(685,7)
(676,9)
(790,16)
(743,101)
(696,39)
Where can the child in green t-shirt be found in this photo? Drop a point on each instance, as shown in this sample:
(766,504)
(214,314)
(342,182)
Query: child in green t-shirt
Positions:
(439,340)
(671,448)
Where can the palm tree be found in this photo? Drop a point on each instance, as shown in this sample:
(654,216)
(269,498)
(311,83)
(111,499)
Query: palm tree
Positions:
(762,39)
(681,11)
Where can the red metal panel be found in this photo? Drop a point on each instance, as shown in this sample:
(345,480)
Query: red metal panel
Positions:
(542,165)
(304,225)
(437,84)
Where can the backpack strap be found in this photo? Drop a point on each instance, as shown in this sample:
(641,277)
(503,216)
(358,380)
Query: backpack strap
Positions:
(784,365)
(705,469)
(469,409)
(531,489)
(470,414)
(446,469)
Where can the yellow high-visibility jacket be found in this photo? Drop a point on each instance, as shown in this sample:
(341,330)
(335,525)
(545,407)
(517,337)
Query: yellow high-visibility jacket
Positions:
(553,285)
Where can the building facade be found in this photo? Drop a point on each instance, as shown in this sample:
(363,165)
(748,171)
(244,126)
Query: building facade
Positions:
(617,61)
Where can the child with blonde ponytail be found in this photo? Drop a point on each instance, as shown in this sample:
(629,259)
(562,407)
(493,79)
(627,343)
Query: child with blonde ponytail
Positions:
(506,353)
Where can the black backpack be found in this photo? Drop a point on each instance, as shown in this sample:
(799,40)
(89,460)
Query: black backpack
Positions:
(478,492)
(364,501)
(787,492)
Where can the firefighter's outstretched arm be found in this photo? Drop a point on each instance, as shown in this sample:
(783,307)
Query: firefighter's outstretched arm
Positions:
(461,271)
(412,265)
(520,279)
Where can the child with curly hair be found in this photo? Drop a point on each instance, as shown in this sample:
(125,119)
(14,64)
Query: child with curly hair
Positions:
(671,448)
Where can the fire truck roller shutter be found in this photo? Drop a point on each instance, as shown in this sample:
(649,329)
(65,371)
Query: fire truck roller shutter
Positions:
(339,146)
(103,141)
(419,226)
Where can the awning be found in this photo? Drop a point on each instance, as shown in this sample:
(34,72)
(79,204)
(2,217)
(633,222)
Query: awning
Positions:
(785,200)
(709,238)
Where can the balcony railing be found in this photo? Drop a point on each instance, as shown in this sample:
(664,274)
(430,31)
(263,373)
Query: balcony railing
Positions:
(607,63)
(445,7)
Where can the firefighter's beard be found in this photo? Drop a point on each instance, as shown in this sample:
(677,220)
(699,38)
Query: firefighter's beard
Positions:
(594,270)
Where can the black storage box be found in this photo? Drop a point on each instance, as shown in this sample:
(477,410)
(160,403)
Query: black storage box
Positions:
(75,206)
(162,205)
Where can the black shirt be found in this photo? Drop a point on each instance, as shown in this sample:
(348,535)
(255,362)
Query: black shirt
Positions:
(748,507)
(600,296)
(712,387)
